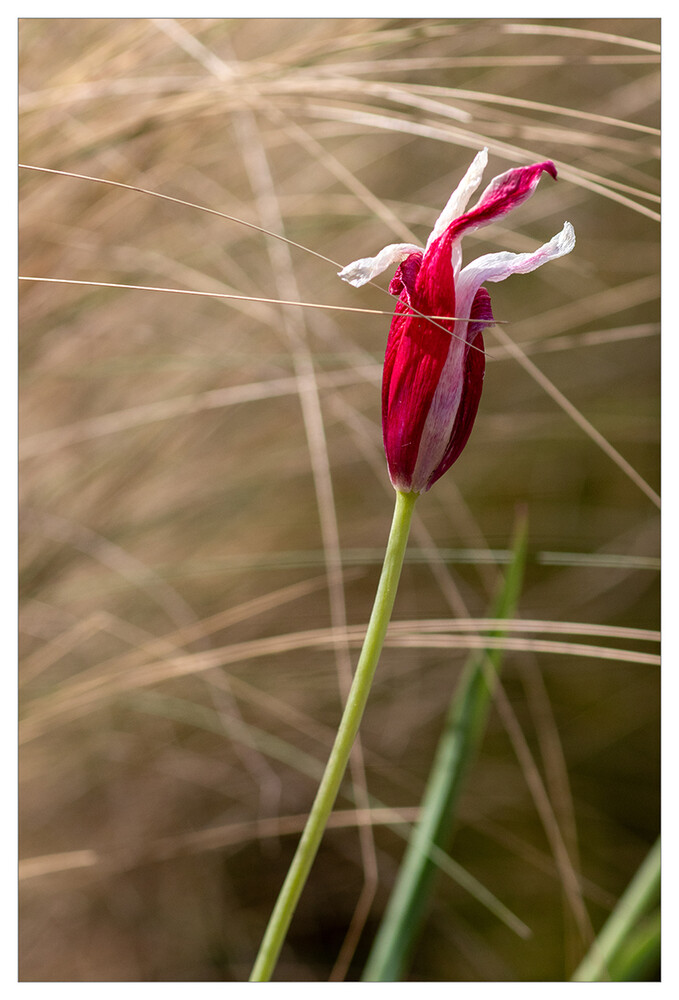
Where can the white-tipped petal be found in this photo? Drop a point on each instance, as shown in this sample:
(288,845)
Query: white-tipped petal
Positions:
(498,266)
(367,268)
(459,199)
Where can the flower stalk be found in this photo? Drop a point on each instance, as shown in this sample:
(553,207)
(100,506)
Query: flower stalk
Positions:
(309,843)
(431,387)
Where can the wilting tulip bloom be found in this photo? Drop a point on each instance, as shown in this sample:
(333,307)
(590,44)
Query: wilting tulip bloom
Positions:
(434,368)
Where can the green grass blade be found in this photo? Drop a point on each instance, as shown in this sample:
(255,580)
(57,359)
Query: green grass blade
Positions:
(459,742)
(627,944)
(639,957)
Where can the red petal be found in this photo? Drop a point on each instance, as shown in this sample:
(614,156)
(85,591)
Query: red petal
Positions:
(474,371)
(415,356)
(502,195)
(406,275)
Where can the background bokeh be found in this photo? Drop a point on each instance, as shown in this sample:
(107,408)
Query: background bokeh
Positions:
(204,501)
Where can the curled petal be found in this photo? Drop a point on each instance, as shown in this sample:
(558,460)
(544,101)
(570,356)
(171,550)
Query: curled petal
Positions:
(361,271)
(504,193)
(406,276)
(498,266)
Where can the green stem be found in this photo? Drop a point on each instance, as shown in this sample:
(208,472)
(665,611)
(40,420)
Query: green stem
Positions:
(339,757)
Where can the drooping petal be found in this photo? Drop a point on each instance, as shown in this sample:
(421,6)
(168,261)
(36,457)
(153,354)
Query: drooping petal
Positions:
(502,195)
(505,192)
(498,266)
(359,272)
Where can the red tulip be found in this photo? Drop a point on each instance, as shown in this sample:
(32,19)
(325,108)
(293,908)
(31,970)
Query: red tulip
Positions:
(433,368)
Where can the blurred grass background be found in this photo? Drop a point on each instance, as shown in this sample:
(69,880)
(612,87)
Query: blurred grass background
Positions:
(204,501)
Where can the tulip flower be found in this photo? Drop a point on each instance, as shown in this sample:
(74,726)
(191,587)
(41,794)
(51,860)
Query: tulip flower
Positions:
(435,361)
(433,374)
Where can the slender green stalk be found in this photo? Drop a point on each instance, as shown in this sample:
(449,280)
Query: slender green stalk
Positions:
(339,757)
(641,894)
